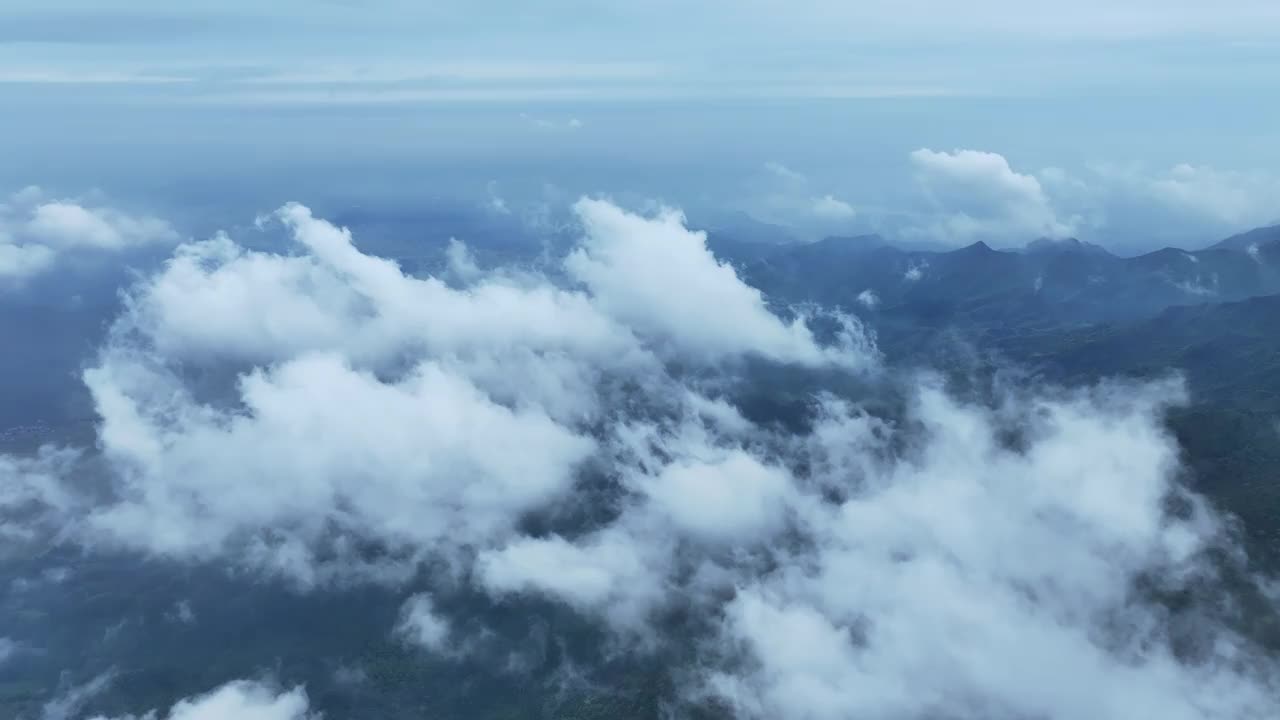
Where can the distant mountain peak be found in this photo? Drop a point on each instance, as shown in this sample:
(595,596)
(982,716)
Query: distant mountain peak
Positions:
(1256,237)
(977,247)
(1064,245)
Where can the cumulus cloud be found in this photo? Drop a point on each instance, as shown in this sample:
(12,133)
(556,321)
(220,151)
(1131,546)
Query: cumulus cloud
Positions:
(828,207)
(406,463)
(36,230)
(23,260)
(261,308)
(721,499)
(421,625)
(1235,199)
(239,700)
(607,574)
(978,196)
(658,277)
(66,224)
(897,552)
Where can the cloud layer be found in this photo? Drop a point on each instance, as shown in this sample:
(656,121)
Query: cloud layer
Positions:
(583,434)
(420,379)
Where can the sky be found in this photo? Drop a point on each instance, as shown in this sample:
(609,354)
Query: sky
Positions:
(1144,122)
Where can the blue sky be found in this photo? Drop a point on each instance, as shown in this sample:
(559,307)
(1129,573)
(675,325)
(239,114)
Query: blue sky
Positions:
(688,104)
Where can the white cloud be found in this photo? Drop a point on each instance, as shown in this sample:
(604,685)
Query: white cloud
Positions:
(785,174)
(1236,199)
(25,260)
(182,613)
(951,575)
(869,299)
(695,476)
(1180,205)
(584,576)
(659,278)
(404,463)
(420,377)
(986,580)
(239,700)
(35,231)
(724,499)
(831,208)
(63,224)
(217,302)
(915,270)
(813,668)
(970,195)
(689,490)
(421,625)
(610,574)
(461,262)
(979,196)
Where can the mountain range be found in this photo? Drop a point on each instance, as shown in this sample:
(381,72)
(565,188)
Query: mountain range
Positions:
(1047,281)
(1070,312)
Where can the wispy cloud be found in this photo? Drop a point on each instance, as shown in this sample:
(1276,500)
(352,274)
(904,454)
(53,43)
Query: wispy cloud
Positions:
(86,76)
